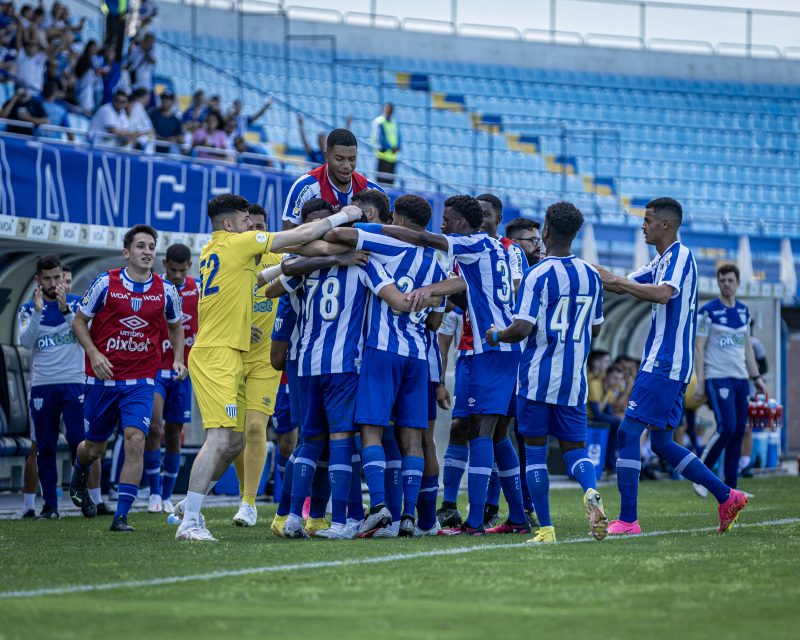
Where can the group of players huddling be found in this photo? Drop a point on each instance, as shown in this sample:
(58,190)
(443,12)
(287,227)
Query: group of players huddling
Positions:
(337,337)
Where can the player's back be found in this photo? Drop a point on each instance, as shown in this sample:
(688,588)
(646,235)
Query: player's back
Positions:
(563,297)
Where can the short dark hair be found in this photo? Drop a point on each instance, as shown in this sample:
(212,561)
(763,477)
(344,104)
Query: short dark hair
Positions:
(226,204)
(377,199)
(468,208)
(670,206)
(518,225)
(564,220)
(416,208)
(256,209)
(66,268)
(314,205)
(121,92)
(178,253)
(493,200)
(341,137)
(130,234)
(595,354)
(615,368)
(139,92)
(729,267)
(46,262)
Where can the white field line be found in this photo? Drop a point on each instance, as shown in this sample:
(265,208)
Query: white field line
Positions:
(400,557)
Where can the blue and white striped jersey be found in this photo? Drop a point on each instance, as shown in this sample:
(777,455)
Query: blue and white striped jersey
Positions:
(434,356)
(485,266)
(412,267)
(307,187)
(669,350)
(726,330)
(332,325)
(287,325)
(563,297)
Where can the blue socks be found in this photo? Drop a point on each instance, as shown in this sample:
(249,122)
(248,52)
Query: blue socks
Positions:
(539,482)
(493,492)
(523,477)
(285,502)
(687,464)
(152,469)
(320,487)
(412,479)
(508,472)
(455,463)
(374,462)
(393,478)
(127,496)
(629,464)
(481,461)
(172,464)
(426,503)
(355,505)
(582,468)
(305,465)
(340,472)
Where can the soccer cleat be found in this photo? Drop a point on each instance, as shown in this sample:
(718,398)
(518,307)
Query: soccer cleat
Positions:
(293,528)
(316,524)
(729,510)
(180,510)
(491,516)
(449,518)
(78,487)
(620,527)
(194,530)
(155,504)
(353,525)
(700,490)
(531,516)
(307,508)
(337,531)
(598,522)
(392,531)
(30,513)
(545,535)
(167,506)
(433,531)
(246,516)
(104,510)
(378,518)
(277,525)
(509,527)
(462,530)
(120,523)
(407,527)
(48,513)
(89,509)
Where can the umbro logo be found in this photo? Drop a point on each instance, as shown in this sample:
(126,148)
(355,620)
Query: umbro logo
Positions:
(134,323)
(471,402)
(185,318)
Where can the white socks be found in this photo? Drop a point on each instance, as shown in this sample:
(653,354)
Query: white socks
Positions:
(96,495)
(28,501)
(192,506)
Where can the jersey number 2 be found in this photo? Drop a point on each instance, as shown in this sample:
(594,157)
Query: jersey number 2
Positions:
(207,287)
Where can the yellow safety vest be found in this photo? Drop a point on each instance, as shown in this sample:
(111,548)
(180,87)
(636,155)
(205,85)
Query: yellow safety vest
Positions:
(389,128)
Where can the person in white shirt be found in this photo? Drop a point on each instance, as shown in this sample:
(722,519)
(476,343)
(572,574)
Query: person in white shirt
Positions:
(31,63)
(138,120)
(111,123)
(142,62)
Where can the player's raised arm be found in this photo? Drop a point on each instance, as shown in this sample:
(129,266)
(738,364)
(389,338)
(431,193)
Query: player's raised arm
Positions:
(658,293)
(303,266)
(313,230)
(418,238)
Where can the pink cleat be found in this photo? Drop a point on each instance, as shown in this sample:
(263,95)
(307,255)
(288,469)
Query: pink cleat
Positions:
(510,527)
(620,527)
(729,510)
(307,508)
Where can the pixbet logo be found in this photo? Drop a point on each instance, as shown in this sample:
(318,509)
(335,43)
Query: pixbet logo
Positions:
(122,344)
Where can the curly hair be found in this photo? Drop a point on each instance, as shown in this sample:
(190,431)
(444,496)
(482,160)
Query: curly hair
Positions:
(468,208)
(415,208)
(377,199)
(564,220)
(314,205)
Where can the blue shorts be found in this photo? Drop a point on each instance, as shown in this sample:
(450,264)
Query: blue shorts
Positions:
(461,389)
(728,398)
(492,382)
(432,406)
(177,396)
(330,405)
(390,389)
(297,396)
(104,407)
(48,404)
(656,400)
(282,416)
(536,419)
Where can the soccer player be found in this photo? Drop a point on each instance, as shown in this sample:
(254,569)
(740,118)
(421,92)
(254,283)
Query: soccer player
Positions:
(524,232)
(724,360)
(669,282)
(172,402)
(257,395)
(485,267)
(57,375)
(395,372)
(336,181)
(375,205)
(125,308)
(562,296)
(227,288)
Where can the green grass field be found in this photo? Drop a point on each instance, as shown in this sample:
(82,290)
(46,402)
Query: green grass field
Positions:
(685,581)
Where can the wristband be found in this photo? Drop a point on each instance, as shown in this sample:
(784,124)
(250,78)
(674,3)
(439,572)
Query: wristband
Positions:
(270,273)
(494,336)
(338,219)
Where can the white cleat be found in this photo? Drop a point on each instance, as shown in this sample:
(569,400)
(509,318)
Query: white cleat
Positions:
(167,506)
(193,530)
(353,525)
(700,490)
(246,516)
(392,531)
(598,522)
(155,504)
(433,531)
(337,531)
(294,528)
(180,510)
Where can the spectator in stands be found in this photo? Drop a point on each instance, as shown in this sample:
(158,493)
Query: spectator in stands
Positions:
(111,72)
(116,12)
(86,79)
(57,114)
(375,205)
(193,117)
(31,62)
(25,107)
(210,135)
(33,31)
(57,373)
(138,120)
(111,124)
(167,125)
(525,233)
(8,24)
(317,156)
(596,364)
(142,62)
(603,392)
(241,121)
(241,145)
(55,76)
(386,140)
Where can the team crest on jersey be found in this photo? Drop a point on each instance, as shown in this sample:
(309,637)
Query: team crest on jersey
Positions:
(632,405)
(136,304)
(134,323)
(724,393)
(743,317)
(230,409)
(38,403)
